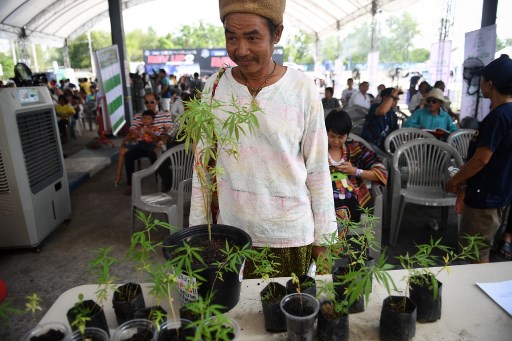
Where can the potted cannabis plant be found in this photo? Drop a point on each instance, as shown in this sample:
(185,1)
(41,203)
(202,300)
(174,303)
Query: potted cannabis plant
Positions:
(425,290)
(265,267)
(211,134)
(300,310)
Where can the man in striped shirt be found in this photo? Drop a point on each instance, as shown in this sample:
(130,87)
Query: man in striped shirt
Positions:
(163,121)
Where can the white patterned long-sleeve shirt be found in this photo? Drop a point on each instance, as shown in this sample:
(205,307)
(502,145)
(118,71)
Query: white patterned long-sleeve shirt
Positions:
(279,189)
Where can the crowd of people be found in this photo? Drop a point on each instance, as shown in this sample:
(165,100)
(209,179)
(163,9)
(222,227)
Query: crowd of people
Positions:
(300,166)
(326,172)
(484,182)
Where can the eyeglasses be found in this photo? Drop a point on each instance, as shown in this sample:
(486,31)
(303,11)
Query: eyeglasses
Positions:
(149,102)
(433,101)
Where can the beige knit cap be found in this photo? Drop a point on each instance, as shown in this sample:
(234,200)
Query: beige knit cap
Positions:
(272,9)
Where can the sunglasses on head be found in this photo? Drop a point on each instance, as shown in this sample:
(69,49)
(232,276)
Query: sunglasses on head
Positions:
(433,101)
(149,102)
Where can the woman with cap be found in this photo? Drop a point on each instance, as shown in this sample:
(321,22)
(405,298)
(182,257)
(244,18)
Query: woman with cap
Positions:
(487,176)
(433,116)
(279,189)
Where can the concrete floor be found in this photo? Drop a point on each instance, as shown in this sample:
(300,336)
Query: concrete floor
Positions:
(101,218)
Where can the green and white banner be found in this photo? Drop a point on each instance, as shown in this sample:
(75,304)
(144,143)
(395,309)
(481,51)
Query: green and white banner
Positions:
(111,83)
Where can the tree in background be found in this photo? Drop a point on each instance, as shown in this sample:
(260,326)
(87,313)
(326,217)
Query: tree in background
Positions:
(138,40)
(502,43)
(419,55)
(356,45)
(7,66)
(298,48)
(78,49)
(199,35)
(402,31)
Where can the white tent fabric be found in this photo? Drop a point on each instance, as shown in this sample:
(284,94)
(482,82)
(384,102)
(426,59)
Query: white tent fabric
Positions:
(51,20)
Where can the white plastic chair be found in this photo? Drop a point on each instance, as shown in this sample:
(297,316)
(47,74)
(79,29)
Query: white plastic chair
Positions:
(356,112)
(173,202)
(400,136)
(459,139)
(427,162)
(357,127)
(394,140)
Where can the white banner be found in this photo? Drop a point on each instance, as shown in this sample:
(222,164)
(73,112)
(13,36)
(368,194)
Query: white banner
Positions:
(480,46)
(111,84)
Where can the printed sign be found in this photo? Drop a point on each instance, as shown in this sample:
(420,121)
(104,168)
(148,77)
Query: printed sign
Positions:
(110,80)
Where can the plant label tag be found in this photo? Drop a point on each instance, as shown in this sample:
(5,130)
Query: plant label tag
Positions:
(241,273)
(187,287)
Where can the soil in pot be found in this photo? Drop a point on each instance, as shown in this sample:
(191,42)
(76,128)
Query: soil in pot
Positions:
(397,319)
(91,310)
(50,331)
(428,307)
(300,311)
(227,290)
(51,335)
(147,313)
(331,326)
(307,285)
(127,299)
(171,331)
(271,297)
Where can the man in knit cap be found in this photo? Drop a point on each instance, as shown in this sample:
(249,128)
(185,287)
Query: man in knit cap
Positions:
(279,189)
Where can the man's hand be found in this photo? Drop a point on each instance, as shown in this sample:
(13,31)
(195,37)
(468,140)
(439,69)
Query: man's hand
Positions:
(317,251)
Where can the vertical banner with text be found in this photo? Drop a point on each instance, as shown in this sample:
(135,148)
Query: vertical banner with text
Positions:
(111,85)
(480,46)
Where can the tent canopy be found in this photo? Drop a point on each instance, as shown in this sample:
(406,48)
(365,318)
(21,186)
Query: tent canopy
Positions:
(53,21)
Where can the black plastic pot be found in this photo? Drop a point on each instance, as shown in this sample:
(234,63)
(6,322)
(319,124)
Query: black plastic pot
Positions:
(429,308)
(275,321)
(397,319)
(331,326)
(226,291)
(307,285)
(340,291)
(127,299)
(97,315)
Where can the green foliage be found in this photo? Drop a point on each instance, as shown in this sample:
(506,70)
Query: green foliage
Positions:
(211,133)
(33,304)
(420,55)
(356,46)
(7,66)
(142,246)
(502,43)
(419,265)
(265,263)
(138,40)
(199,35)
(298,48)
(402,31)
(82,315)
(7,309)
(355,247)
(78,48)
(100,268)
(211,323)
